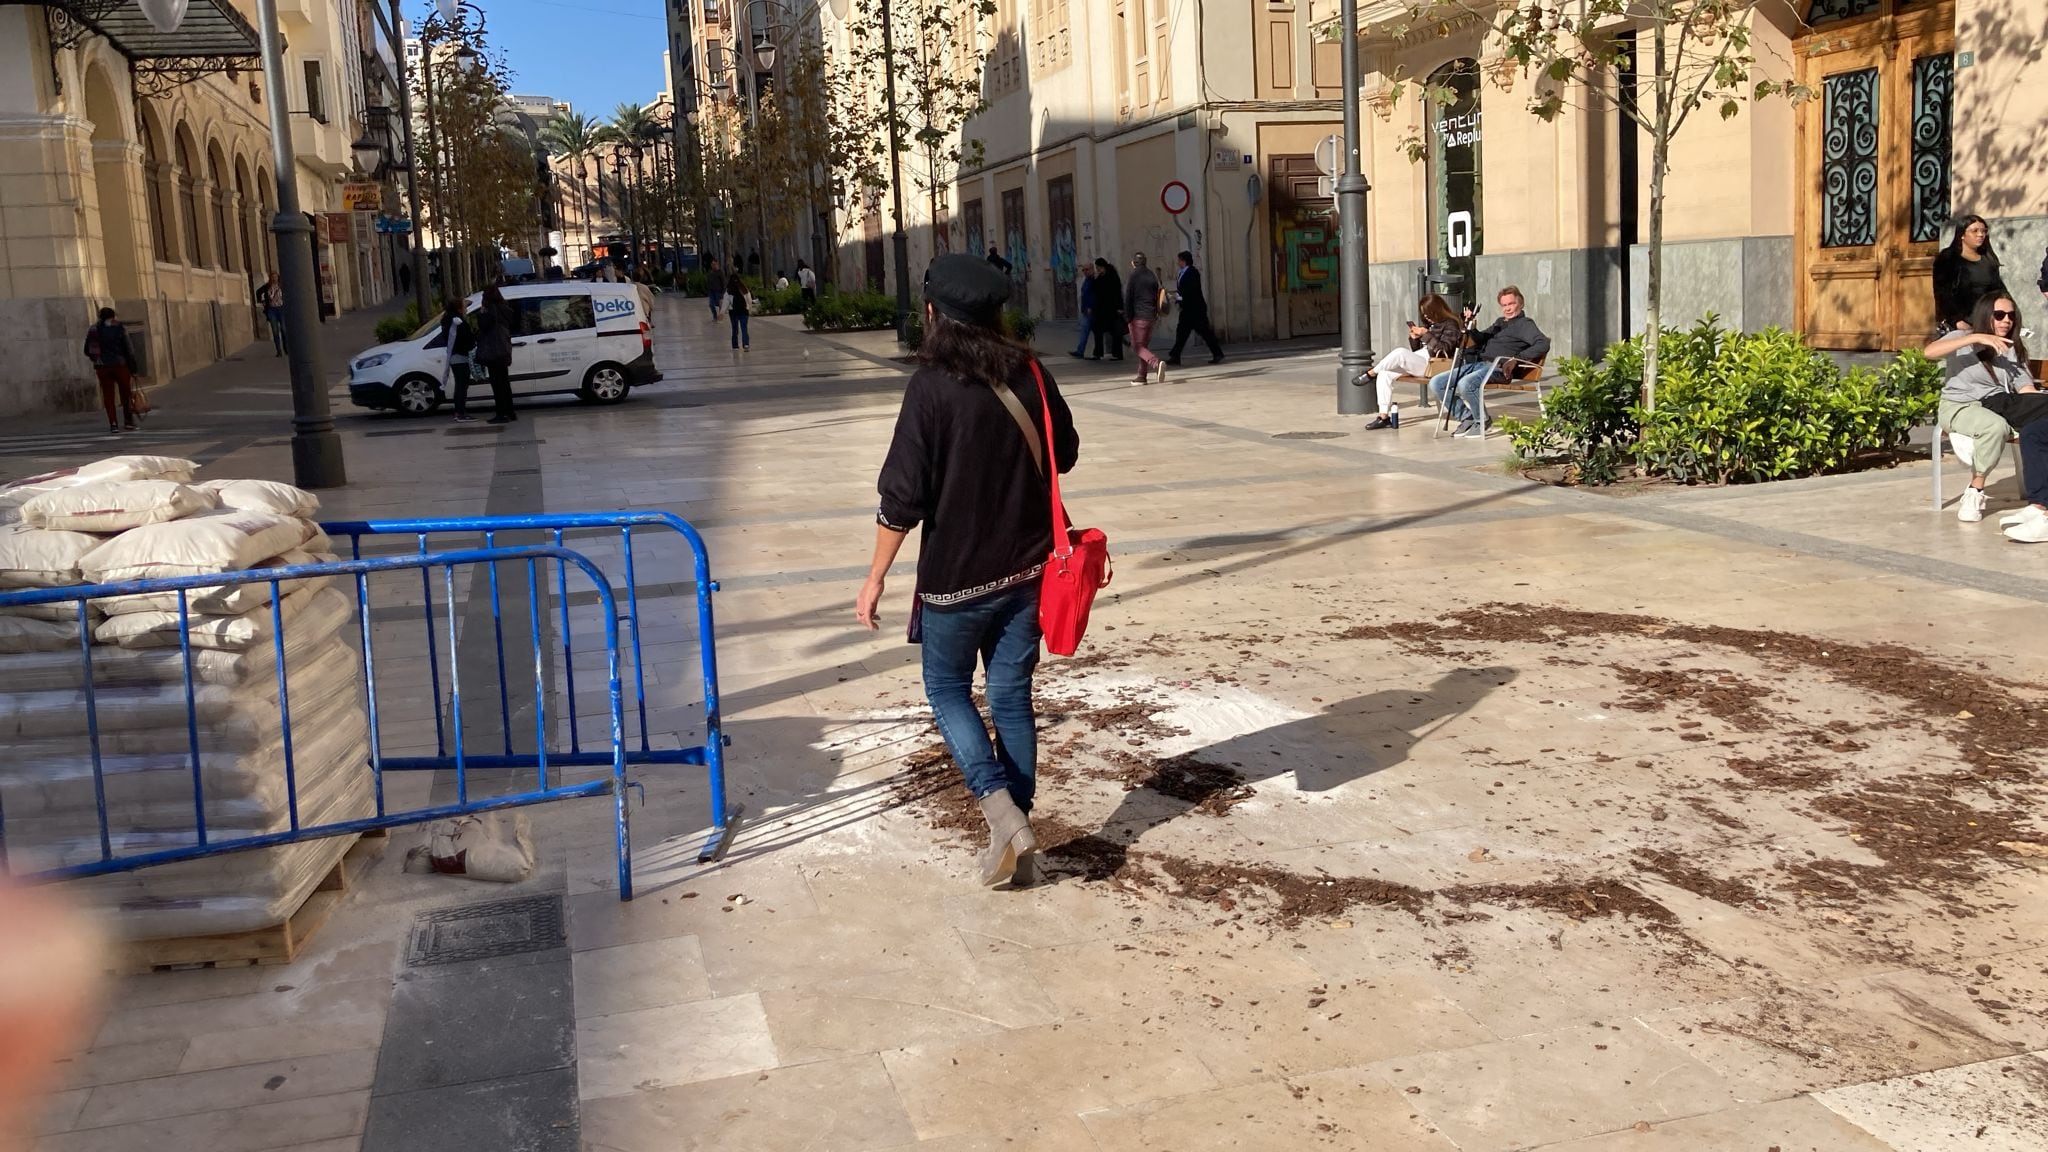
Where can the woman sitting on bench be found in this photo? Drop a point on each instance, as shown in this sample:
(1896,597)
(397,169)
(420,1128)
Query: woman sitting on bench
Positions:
(1988,359)
(1436,338)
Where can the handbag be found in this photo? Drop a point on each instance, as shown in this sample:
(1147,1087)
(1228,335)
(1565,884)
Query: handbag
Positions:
(1078,566)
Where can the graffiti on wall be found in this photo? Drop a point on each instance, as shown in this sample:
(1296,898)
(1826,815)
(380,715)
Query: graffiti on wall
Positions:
(1309,258)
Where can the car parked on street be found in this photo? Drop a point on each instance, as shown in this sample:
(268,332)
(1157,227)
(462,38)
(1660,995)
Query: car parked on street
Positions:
(575,338)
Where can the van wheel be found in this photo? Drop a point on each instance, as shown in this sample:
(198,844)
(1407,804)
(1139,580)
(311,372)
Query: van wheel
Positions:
(605,384)
(417,395)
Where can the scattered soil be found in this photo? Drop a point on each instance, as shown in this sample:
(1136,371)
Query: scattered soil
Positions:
(1785,772)
(1208,788)
(1716,691)
(1673,869)
(1580,901)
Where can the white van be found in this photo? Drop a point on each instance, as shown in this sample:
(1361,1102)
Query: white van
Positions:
(590,339)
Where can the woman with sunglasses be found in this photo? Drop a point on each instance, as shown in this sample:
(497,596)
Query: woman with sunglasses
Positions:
(1964,273)
(1987,359)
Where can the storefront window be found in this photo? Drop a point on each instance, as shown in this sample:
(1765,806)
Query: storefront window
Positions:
(1454,138)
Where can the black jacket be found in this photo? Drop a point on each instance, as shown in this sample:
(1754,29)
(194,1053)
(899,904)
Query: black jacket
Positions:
(494,335)
(1109,302)
(1959,283)
(1519,338)
(113,346)
(960,466)
(457,336)
(1193,305)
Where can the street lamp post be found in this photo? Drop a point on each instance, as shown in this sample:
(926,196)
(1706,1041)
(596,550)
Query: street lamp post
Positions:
(764,64)
(900,241)
(1354,283)
(412,162)
(316,448)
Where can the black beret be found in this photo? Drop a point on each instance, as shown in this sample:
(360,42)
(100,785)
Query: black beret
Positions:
(968,289)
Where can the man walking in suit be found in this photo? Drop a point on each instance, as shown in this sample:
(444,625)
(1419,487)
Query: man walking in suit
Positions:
(1194,312)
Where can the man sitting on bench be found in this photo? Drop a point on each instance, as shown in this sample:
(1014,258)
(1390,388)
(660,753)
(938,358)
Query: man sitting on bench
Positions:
(1488,357)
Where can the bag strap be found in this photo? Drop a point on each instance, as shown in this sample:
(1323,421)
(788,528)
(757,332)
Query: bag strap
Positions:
(1010,401)
(1062,528)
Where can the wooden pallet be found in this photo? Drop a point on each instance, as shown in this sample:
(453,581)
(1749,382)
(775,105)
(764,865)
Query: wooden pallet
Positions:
(278,944)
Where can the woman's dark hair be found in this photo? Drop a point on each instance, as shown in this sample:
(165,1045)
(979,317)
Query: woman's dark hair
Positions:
(1435,309)
(735,285)
(494,299)
(1980,321)
(451,309)
(971,352)
(1955,243)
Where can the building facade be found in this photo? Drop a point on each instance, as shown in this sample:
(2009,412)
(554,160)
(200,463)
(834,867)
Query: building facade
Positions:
(138,175)
(1822,214)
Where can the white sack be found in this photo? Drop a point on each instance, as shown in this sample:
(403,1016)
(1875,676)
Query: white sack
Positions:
(319,608)
(39,558)
(137,468)
(222,599)
(117,667)
(115,505)
(223,541)
(263,496)
(26,634)
(493,846)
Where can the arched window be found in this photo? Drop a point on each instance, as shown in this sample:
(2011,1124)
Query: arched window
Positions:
(218,179)
(1455,193)
(188,198)
(246,208)
(153,176)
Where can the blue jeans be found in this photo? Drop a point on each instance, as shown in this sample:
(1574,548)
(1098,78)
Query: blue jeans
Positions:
(1470,378)
(1001,632)
(717,299)
(739,329)
(275,318)
(1087,330)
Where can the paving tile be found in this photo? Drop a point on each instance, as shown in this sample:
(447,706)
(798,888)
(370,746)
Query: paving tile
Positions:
(675,1044)
(1993,1106)
(1540,1089)
(471,1027)
(61,1110)
(1353,1109)
(881,1011)
(789,953)
(253,1129)
(256,1010)
(113,1063)
(283,1042)
(1799,1124)
(844,1104)
(970,1087)
(531,1113)
(629,977)
(228,1088)
(602,920)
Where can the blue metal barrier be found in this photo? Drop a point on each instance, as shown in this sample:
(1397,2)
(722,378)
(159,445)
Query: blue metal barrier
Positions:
(359,569)
(725,818)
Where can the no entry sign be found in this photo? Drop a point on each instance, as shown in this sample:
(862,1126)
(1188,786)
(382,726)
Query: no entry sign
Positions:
(1175,197)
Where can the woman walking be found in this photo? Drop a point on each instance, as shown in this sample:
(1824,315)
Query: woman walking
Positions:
(495,322)
(460,342)
(1437,337)
(965,464)
(737,308)
(1141,310)
(1964,273)
(271,296)
(1108,320)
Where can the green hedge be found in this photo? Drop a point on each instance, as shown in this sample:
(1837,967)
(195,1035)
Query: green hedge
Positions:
(1732,407)
(851,312)
(394,328)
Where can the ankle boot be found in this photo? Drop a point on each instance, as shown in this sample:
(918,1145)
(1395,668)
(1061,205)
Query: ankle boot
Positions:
(1026,874)
(1009,834)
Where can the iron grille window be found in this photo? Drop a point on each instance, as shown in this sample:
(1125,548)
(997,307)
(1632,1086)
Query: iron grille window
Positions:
(1933,100)
(1848,165)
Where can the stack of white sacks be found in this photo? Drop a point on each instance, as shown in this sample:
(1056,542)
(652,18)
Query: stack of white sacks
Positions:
(139,517)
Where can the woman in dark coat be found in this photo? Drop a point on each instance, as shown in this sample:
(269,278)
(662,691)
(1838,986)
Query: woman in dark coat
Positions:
(1965,272)
(496,324)
(968,465)
(1109,309)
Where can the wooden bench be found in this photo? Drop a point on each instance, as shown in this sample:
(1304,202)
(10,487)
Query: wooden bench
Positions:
(1436,365)
(1508,375)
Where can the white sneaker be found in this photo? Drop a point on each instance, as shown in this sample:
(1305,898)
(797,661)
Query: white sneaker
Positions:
(2033,531)
(2030,512)
(1970,508)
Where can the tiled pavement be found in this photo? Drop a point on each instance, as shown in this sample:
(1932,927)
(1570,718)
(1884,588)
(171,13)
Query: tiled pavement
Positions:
(865,995)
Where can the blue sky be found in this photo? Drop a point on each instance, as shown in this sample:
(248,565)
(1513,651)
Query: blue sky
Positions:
(593,55)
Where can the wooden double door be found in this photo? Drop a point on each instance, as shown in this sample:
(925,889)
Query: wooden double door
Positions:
(1874,164)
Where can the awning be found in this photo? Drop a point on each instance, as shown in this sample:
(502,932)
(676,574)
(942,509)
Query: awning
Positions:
(211,30)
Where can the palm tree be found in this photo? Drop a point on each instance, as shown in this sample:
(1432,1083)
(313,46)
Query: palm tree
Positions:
(633,129)
(578,137)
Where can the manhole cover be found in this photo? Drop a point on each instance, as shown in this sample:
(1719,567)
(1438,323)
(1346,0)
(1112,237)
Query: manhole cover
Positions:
(1309,435)
(484,931)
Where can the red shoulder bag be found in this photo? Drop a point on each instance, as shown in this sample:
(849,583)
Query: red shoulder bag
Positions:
(1078,567)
